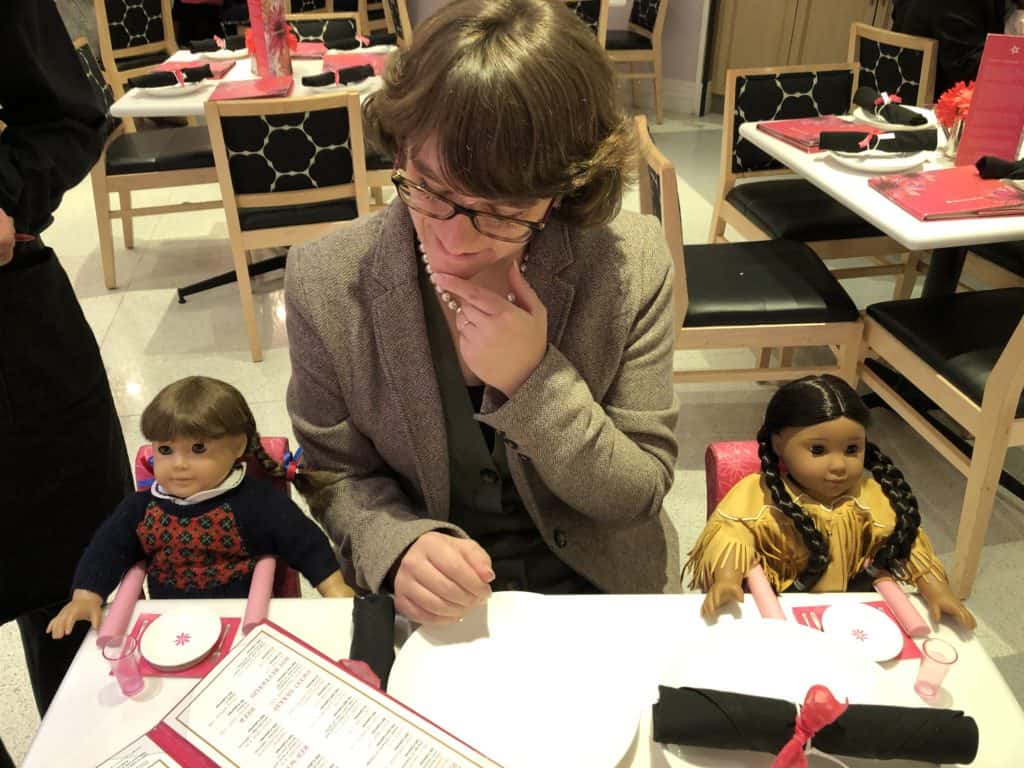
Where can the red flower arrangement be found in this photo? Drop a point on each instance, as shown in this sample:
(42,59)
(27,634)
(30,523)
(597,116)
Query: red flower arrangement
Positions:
(954,104)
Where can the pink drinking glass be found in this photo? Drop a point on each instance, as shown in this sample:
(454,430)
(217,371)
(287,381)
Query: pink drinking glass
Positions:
(122,651)
(937,656)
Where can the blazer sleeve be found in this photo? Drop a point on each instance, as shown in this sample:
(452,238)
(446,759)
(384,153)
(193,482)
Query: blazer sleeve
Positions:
(611,460)
(367,515)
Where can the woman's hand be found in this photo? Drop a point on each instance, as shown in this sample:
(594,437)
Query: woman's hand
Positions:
(84,605)
(500,341)
(726,587)
(442,578)
(6,238)
(940,599)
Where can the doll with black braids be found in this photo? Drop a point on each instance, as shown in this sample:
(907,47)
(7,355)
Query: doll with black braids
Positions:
(206,520)
(812,518)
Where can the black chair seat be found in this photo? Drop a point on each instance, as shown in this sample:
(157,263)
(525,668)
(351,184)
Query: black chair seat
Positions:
(164,149)
(794,209)
(145,60)
(375,162)
(314,213)
(960,335)
(762,283)
(626,40)
(375,14)
(1009,256)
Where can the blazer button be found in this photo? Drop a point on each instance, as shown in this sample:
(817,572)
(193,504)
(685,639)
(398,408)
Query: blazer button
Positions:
(561,540)
(489,476)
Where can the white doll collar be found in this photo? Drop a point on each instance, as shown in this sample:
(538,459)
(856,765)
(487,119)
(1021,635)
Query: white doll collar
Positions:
(232,481)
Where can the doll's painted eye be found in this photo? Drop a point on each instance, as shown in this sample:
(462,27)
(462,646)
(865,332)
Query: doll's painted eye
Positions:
(164,450)
(853,449)
(198,447)
(817,450)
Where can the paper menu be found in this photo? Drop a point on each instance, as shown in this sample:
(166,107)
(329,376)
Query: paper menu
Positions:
(141,753)
(275,702)
(996,117)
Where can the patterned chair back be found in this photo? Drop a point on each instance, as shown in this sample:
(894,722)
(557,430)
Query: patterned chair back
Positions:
(593,13)
(398,19)
(901,65)
(131,23)
(319,30)
(645,13)
(311,6)
(94,73)
(790,92)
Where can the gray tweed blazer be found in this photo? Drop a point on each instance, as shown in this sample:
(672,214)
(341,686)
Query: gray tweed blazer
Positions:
(589,436)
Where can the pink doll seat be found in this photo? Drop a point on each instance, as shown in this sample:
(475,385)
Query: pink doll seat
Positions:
(725,464)
(286,580)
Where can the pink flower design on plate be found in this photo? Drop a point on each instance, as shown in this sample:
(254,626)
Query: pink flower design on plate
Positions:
(183,638)
(859,634)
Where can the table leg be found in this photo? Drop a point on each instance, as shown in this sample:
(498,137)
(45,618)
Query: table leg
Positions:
(944,271)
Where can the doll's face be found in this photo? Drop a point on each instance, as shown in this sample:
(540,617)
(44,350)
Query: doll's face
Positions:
(185,466)
(826,459)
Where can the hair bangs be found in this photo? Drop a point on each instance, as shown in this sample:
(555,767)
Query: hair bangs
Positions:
(196,407)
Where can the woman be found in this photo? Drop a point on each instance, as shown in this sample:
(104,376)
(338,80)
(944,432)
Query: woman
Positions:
(486,365)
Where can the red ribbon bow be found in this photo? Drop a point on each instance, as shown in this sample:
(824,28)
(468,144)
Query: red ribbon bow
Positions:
(885,98)
(865,143)
(820,709)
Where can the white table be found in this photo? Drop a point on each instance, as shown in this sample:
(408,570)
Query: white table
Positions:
(138,103)
(90,719)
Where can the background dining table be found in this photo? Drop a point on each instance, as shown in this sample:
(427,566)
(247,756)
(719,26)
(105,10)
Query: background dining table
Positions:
(91,720)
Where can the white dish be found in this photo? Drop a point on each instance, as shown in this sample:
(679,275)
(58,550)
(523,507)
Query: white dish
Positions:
(172,91)
(180,638)
(504,677)
(861,114)
(361,87)
(224,54)
(869,630)
(876,161)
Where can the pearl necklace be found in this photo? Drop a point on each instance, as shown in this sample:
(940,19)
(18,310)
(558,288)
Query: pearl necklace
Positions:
(446,297)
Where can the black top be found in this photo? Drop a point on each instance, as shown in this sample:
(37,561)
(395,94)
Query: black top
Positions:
(207,549)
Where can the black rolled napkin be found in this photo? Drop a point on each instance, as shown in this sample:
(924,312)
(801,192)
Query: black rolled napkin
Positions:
(373,634)
(324,78)
(383,38)
(355,74)
(234,42)
(197,74)
(339,42)
(902,141)
(203,46)
(702,717)
(152,80)
(991,167)
(892,113)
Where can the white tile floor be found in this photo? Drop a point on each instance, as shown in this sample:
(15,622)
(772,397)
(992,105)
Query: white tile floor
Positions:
(148,339)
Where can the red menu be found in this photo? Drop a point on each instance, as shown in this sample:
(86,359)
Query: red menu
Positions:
(309,50)
(253,89)
(804,132)
(950,193)
(996,118)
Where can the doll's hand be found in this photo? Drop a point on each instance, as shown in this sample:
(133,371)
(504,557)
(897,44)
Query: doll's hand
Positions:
(84,605)
(441,578)
(726,587)
(334,586)
(940,599)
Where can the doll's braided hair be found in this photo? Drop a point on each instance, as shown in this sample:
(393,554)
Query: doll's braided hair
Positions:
(815,400)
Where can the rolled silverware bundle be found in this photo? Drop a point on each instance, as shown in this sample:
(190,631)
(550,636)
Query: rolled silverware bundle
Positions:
(874,103)
(892,141)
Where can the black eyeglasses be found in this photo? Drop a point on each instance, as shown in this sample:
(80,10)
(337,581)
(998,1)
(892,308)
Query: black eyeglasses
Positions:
(505,228)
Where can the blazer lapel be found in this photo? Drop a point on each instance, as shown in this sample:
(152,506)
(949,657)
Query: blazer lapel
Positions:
(401,339)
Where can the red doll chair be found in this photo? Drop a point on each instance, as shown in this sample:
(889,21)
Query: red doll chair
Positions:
(286,580)
(725,464)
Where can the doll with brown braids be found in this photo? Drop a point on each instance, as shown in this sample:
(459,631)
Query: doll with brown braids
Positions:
(205,521)
(812,518)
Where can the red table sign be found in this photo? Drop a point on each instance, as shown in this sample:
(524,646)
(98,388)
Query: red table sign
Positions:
(996,117)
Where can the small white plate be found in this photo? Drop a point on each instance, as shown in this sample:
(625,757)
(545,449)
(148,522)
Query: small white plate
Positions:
(172,91)
(876,635)
(180,638)
(861,114)
(223,54)
(876,161)
(362,86)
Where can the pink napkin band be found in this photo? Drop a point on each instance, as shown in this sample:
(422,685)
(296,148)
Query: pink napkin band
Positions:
(904,611)
(120,611)
(260,590)
(765,599)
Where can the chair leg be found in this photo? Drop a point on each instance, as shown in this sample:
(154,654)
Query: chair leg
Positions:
(906,279)
(849,357)
(658,114)
(245,294)
(632,85)
(990,446)
(127,225)
(786,359)
(101,202)
(378,195)
(764,357)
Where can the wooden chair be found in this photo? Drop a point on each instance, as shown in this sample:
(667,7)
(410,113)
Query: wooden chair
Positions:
(593,13)
(900,65)
(997,265)
(320,27)
(372,16)
(964,352)
(640,44)
(747,295)
(163,157)
(786,207)
(290,170)
(397,14)
(134,38)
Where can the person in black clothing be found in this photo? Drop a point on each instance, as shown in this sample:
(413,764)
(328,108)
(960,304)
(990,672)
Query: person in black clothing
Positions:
(960,26)
(62,454)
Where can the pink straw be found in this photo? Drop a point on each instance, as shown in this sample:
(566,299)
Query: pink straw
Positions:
(120,611)
(259,593)
(765,599)
(904,611)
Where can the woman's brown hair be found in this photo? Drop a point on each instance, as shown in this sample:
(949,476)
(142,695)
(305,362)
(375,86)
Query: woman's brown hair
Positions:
(521,101)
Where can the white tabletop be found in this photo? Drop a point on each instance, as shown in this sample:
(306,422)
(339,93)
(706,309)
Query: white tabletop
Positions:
(138,103)
(90,719)
(851,189)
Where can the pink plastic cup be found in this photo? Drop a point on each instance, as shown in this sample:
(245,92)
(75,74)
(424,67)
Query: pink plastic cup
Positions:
(937,656)
(122,651)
